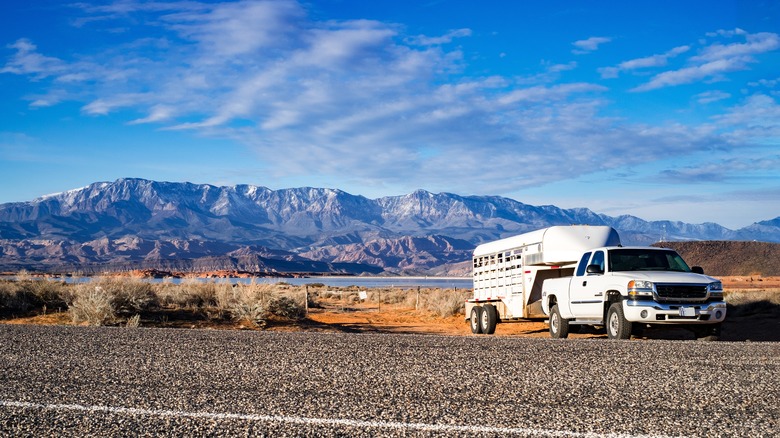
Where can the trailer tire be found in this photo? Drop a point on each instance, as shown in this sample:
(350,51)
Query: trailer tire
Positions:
(474,318)
(617,325)
(488,319)
(559,327)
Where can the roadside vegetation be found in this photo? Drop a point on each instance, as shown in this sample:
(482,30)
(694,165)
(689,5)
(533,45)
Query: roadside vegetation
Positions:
(129,302)
(122,301)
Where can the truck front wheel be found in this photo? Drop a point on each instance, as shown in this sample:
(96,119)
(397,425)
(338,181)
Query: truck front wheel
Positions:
(474,318)
(617,325)
(559,327)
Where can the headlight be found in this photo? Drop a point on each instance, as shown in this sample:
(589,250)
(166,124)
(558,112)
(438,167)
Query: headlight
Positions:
(640,289)
(715,290)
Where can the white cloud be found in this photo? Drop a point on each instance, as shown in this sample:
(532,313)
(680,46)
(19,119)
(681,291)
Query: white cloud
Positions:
(589,45)
(712,70)
(447,38)
(28,61)
(711,96)
(756,120)
(754,44)
(730,169)
(713,61)
(642,63)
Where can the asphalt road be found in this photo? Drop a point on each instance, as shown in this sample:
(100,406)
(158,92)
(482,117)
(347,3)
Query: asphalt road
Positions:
(76,381)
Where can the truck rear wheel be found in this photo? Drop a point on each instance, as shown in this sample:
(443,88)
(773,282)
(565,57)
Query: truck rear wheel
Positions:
(559,327)
(488,319)
(617,325)
(474,319)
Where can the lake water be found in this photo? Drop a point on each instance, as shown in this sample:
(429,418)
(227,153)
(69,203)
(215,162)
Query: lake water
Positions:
(367,282)
(381,282)
(397,282)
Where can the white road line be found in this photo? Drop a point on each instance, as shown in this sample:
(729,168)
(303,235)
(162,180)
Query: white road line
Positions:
(314,421)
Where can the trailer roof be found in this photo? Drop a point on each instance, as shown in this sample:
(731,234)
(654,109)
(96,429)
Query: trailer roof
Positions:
(558,244)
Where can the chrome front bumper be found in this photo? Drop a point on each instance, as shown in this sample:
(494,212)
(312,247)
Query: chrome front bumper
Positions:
(652,312)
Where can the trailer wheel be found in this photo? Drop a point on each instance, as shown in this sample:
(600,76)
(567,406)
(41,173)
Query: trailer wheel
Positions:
(474,319)
(488,319)
(559,327)
(617,325)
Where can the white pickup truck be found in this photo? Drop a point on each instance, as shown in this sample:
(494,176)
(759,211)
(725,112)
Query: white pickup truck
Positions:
(627,288)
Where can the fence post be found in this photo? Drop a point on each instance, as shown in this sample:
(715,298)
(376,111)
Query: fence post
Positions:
(417,301)
(306,301)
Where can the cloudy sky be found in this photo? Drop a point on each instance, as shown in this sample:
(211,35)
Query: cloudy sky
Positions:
(659,109)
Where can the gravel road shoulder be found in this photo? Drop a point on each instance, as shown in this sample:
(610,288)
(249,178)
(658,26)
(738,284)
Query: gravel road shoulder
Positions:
(66,381)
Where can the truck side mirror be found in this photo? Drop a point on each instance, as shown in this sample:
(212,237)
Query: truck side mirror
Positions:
(697,270)
(594,269)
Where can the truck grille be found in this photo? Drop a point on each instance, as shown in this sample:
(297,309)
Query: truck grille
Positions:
(681,292)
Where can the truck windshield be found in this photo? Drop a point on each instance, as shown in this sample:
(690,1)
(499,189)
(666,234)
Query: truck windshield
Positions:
(639,259)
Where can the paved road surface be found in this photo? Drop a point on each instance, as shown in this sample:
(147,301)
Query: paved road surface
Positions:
(68,381)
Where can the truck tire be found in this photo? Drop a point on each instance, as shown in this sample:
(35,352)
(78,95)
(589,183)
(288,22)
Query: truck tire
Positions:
(617,325)
(707,333)
(488,319)
(474,319)
(559,327)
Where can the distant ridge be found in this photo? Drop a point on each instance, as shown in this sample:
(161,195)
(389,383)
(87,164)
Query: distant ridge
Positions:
(136,222)
(722,258)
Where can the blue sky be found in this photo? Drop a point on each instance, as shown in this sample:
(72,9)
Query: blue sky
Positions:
(659,109)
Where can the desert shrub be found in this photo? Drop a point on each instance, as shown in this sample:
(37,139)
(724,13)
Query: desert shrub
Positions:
(91,304)
(127,295)
(286,307)
(44,292)
(388,296)
(241,302)
(443,302)
(14,299)
(191,293)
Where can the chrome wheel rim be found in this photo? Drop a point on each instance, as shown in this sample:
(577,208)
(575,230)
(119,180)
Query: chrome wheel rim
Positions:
(613,324)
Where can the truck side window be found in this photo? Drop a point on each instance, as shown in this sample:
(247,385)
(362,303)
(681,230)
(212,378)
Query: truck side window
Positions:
(598,259)
(583,264)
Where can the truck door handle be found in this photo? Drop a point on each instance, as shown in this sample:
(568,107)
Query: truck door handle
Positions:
(585,283)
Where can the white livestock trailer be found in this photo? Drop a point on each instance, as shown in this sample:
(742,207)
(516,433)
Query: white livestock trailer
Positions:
(508,273)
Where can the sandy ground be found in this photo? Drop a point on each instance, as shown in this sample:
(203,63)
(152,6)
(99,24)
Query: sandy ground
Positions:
(761,324)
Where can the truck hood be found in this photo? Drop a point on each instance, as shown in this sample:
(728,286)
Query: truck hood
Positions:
(666,277)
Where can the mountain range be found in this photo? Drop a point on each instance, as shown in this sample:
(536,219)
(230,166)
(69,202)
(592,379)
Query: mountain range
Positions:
(142,224)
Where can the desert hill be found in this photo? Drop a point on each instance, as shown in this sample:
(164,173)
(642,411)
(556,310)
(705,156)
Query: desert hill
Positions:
(727,258)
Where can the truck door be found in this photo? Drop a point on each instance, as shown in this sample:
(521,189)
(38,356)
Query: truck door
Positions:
(586,296)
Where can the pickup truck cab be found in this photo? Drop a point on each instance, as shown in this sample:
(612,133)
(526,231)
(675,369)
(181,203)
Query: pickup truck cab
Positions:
(626,288)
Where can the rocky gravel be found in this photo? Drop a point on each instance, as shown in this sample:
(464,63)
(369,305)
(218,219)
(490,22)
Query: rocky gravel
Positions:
(80,381)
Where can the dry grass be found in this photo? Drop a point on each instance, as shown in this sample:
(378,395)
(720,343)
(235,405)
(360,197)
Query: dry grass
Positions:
(91,304)
(738,297)
(752,302)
